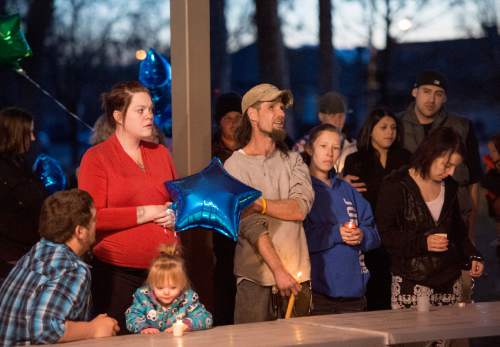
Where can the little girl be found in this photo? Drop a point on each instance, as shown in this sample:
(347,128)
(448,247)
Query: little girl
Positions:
(339,229)
(166,298)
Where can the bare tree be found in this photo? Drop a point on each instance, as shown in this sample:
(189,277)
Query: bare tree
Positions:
(38,23)
(3,7)
(385,57)
(488,16)
(326,49)
(478,14)
(89,38)
(245,30)
(273,62)
(9,7)
(220,63)
(389,12)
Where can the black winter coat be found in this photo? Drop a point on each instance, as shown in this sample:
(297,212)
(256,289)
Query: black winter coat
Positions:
(366,165)
(21,198)
(404,222)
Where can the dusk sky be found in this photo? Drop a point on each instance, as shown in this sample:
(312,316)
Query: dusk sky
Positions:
(436,21)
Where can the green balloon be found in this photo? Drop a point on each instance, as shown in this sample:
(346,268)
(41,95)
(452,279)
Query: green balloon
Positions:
(13,44)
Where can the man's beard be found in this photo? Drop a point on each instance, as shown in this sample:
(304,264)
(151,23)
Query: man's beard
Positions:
(277,135)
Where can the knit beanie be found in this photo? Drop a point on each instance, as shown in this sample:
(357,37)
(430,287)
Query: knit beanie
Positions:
(226,103)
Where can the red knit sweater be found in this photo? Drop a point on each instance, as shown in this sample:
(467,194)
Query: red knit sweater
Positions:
(118,186)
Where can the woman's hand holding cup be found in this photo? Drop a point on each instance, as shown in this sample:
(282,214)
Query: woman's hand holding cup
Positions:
(437,242)
(351,234)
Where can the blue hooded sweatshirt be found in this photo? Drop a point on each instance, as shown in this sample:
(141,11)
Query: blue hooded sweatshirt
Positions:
(337,269)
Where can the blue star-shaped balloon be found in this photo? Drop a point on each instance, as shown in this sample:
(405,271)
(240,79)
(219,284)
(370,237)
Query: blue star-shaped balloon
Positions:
(211,199)
(155,70)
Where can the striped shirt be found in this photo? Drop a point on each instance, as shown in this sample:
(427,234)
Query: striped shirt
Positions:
(48,286)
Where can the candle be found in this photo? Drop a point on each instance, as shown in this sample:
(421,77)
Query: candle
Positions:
(423,303)
(291,301)
(178,328)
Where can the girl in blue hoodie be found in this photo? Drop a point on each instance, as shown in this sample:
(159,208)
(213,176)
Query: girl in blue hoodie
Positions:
(339,229)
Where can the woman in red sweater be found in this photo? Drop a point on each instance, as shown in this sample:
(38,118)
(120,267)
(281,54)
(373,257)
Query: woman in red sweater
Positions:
(125,176)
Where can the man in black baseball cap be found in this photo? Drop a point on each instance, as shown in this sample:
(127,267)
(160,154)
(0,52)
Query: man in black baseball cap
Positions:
(431,78)
(427,113)
(429,91)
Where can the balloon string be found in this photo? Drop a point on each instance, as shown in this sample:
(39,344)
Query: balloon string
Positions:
(25,75)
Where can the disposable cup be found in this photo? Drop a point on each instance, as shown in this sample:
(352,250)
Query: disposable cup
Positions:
(423,303)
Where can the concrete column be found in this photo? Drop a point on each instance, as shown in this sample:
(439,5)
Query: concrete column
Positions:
(191,110)
(191,118)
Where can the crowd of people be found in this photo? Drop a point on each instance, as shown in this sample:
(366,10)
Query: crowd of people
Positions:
(342,225)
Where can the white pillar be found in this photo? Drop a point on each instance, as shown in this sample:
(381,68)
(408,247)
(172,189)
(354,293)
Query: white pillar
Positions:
(191,109)
(191,121)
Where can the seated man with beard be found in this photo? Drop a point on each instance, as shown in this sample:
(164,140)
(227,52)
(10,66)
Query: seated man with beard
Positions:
(46,297)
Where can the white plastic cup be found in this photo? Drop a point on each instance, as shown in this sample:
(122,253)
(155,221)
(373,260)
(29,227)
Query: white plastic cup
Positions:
(351,224)
(423,303)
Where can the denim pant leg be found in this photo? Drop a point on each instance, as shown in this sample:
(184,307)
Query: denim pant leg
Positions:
(253,303)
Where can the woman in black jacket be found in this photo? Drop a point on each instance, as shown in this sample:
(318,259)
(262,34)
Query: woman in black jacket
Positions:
(379,153)
(419,221)
(21,192)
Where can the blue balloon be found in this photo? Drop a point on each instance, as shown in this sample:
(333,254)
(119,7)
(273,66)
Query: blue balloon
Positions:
(50,172)
(155,74)
(164,122)
(155,71)
(211,199)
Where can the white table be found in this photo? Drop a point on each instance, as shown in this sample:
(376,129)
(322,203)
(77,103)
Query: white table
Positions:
(276,333)
(365,329)
(407,326)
